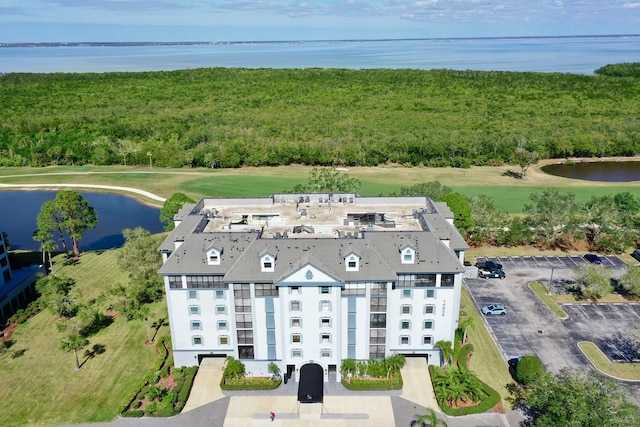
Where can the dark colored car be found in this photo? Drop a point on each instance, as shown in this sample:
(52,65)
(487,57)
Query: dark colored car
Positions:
(514,362)
(636,254)
(491,265)
(491,274)
(593,258)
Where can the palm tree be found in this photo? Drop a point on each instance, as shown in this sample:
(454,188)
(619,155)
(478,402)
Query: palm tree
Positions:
(74,342)
(49,246)
(446,349)
(150,154)
(395,362)
(466,323)
(430,419)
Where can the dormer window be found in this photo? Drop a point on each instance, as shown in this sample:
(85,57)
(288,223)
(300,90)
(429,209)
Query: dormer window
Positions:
(408,255)
(352,262)
(267,263)
(214,256)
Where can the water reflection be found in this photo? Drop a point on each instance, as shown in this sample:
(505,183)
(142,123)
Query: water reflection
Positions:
(625,171)
(19,210)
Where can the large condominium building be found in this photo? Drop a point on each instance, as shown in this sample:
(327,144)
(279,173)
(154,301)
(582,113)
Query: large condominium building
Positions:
(312,278)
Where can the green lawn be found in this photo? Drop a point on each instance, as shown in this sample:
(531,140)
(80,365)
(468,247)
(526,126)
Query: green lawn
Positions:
(509,194)
(486,362)
(42,388)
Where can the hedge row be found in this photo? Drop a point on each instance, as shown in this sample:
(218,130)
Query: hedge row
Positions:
(360,384)
(250,384)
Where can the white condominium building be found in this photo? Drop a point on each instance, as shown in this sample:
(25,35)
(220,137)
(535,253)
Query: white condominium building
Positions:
(293,279)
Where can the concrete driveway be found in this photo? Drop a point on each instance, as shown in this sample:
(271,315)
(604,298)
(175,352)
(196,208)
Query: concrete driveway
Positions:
(531,328)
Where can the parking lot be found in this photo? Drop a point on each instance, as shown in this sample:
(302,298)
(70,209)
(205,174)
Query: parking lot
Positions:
(529,327)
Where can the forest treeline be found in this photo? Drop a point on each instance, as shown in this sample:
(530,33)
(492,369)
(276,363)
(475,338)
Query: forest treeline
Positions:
(225,117)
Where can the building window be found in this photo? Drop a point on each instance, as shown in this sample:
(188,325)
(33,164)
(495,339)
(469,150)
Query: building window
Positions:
(295,290)
(196,340)
(405,309)
(378,320)
(214,257)
(196,325)
(325,290)
(265,289)
(429,309)
(296,352)
(325,352)
(295,305)
(223,325)
(296,322)
(325,322)
(245,352)
(446,280)
(194,309)
(404,340)
(267,263)
(219,294)
(428,324)
(405,324)
(427,339)
(244,320)
(223,340)
(245,336)
(406,293)
(378,304)
(296,338)
(193,294)
(175,282)
(352,264)
(325,339)
(221,309)
(408,256)
(325,305)
(430,293)
(354,289)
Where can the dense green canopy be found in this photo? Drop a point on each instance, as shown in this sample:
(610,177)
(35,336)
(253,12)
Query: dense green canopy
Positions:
(232,117)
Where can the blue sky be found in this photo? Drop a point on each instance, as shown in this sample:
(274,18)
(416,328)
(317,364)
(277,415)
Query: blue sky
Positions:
(262,20)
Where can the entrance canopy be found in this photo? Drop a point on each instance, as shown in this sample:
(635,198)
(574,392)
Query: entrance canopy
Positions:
(311,384)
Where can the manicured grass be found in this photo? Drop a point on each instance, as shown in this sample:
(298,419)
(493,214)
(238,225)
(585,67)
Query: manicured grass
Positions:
(509,194)
(486,362)
(41,387)
(625,371)
(539,289)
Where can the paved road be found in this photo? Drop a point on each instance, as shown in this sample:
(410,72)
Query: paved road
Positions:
(531,328)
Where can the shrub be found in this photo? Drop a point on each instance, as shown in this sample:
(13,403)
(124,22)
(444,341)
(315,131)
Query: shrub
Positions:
(133,414)
(528,369)
(136,404)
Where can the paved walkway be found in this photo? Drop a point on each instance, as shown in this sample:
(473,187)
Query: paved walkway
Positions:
(209,406)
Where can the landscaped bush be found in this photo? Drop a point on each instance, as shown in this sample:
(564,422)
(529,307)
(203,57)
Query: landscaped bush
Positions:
(358,383)
(250,383)
(490,398)
(133,414)
(528,369)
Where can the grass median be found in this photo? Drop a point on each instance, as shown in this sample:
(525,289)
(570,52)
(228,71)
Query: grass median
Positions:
(539,289)
(624,371)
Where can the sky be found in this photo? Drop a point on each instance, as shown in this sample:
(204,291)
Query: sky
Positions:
(273,20)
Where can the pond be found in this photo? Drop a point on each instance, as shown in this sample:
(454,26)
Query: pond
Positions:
(19,210)
(625,171)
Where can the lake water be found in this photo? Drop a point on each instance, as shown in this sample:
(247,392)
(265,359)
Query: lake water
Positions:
(580,55)
(596,171)
(19,210)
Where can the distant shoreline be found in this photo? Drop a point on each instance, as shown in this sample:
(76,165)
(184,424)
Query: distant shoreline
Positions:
(213,43)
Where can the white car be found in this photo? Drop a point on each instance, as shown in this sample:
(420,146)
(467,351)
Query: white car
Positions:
(494,309)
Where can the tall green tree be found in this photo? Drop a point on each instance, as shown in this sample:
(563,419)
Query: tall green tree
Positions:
(575,398)
(171,206)
(69,212)
(463,220)
(552,218)
(49,220)
(55,292)
(433,189)
(140,258)
(630,281)
(593,280)
(73,343)
(324,180)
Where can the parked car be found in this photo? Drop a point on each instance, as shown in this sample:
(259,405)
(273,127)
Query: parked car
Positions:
(593,258)
(514,362)
(491,265)
(491,274)
(494,310)
(636,254)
